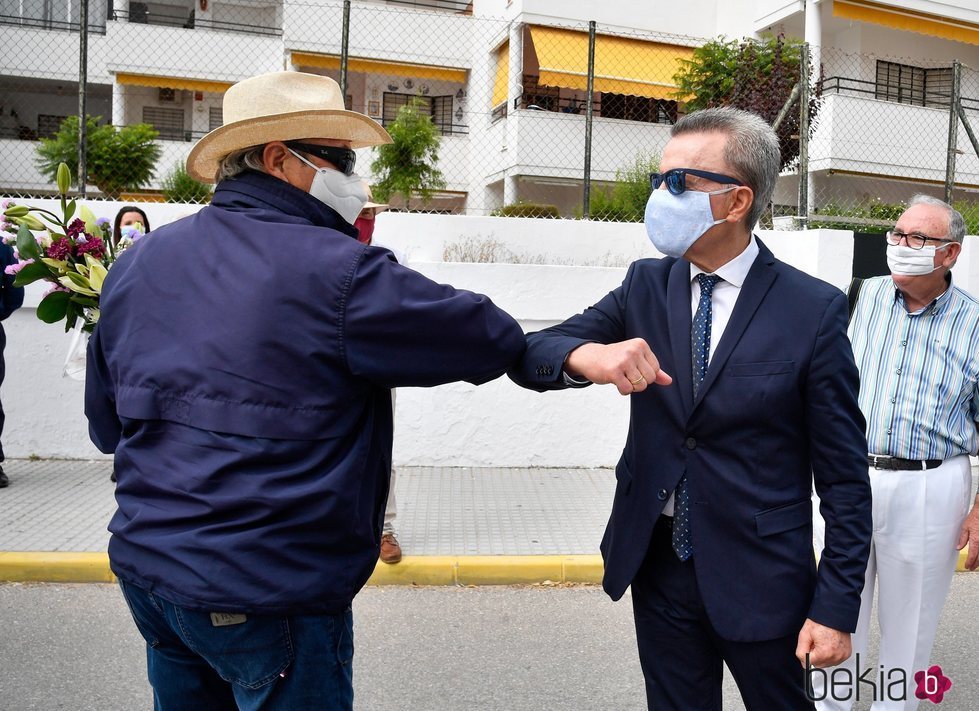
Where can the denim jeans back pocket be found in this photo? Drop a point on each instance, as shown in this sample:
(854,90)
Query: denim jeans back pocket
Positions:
(251,653)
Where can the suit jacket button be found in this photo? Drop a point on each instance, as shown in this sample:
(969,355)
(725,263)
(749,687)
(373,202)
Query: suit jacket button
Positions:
(691,443)
(662,494)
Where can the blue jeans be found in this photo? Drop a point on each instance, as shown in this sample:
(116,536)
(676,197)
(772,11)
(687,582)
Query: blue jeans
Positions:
(211,661)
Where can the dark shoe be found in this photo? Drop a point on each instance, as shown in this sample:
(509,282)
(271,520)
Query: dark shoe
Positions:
(112,476)
(4,481)
(390,549)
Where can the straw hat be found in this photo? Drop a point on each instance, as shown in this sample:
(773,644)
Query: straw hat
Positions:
(281,106)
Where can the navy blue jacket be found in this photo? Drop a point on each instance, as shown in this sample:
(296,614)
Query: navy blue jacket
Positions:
(776,410)
(11,297)
(241,372)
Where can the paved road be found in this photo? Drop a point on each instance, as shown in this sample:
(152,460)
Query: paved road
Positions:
(74,647)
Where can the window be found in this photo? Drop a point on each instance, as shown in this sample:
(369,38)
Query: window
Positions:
(901,83)
(906,84)
(438,108)
(442,113)
(638,108)
(169,122)
(48,125)
(215,118)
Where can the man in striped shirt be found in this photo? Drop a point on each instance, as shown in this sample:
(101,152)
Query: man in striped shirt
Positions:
(915,339)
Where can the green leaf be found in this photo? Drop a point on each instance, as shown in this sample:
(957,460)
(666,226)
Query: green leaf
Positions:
(70,211)
(32,273)
(53,307)
(27,246)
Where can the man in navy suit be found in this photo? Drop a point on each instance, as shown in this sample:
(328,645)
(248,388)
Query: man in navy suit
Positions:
(755,397)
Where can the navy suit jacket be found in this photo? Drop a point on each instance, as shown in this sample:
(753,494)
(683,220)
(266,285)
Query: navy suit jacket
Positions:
(776,411)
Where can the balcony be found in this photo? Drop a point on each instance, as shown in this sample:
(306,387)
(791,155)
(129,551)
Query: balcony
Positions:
(862,130)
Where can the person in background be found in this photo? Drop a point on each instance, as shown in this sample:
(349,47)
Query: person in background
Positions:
(390,547)
(132,217)
(915,338)
(11,299)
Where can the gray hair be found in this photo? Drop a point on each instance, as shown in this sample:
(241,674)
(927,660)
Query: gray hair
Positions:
(234,164)
(752,149)
(956,223)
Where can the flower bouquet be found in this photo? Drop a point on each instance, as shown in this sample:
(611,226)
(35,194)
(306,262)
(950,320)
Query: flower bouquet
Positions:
(73,251)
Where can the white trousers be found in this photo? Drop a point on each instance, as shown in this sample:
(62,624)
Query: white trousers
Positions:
(917,519)
(391,509)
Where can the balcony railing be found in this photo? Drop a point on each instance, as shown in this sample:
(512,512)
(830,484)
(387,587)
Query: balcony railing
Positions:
(189,21)
(449,5)
(644,111)
(896,94)
(42,23)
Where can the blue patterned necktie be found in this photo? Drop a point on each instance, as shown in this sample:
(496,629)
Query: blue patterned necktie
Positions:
(700,354)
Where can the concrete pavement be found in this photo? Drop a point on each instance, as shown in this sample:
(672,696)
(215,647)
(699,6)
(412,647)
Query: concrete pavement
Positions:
(455,525)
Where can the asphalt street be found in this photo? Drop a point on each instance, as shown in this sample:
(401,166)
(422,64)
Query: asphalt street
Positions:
(514,648)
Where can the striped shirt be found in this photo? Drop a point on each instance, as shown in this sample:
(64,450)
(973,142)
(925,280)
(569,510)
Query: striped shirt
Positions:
(919,372)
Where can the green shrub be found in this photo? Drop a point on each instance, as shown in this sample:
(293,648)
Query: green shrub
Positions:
(527,209)
(626,200)
(178,186)
(118,160)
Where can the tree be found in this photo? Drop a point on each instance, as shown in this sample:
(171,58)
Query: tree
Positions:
(757,75)
(409,164)
(117,160)
(178,186)
(626,201)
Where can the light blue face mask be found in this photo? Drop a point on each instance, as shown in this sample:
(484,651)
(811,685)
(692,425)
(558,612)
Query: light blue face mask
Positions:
(675,222)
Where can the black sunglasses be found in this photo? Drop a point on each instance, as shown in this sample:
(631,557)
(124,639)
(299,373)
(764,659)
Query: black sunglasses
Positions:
(676,179)
(343,158)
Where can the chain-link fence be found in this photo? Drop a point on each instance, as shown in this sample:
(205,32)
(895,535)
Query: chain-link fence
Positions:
(563,119)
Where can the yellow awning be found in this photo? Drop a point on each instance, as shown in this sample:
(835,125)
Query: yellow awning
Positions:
(376,66)
(501,79)
(910,20)
(622,65)
(173,83)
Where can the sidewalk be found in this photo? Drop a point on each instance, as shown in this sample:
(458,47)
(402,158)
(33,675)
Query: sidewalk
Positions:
(455,525)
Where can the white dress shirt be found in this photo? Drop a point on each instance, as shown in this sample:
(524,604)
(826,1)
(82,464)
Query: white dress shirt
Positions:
(722,301)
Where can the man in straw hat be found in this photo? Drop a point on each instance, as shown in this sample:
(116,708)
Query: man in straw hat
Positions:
(241,373)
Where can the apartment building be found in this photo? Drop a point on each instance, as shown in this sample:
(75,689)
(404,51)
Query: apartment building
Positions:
(503,80)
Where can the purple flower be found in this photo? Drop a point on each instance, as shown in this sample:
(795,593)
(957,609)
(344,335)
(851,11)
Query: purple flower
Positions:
(59,249)
(81,239)
(12,269)
(75,228)
(94,246)
(5,203)
(102,221)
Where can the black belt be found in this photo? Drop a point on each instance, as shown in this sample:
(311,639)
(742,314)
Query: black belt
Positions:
(896,464)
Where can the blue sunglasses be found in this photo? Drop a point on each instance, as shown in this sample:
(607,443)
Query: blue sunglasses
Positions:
(676,179)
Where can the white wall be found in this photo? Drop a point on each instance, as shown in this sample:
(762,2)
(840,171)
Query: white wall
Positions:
(495,424)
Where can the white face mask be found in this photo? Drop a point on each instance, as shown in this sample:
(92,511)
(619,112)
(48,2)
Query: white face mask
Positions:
(911,262)
(675,222)
(347,194)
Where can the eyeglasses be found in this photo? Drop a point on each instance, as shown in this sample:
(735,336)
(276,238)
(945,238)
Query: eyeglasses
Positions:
(915,240)
(343,158)
(676,179)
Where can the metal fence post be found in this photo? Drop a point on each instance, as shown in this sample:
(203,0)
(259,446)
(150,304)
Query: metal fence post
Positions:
(589,110)
(82,82)
(344,51)
(804,93)
(953,129)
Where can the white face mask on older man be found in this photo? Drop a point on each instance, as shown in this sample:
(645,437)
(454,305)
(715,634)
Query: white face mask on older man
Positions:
(911,262)
(347,194)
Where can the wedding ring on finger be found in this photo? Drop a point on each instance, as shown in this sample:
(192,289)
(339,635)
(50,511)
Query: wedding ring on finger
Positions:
(637,381)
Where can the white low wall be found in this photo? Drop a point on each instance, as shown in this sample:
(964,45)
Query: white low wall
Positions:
(496,424)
